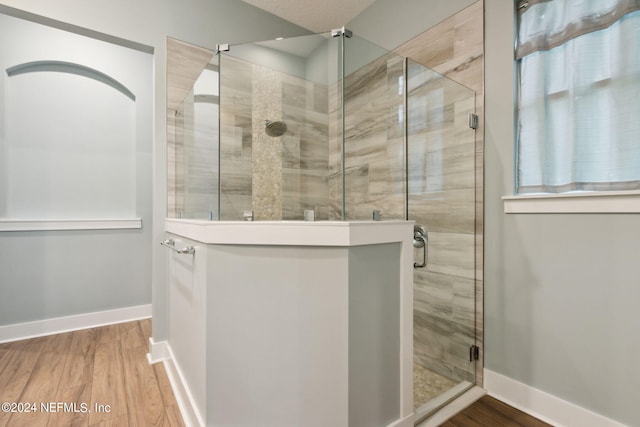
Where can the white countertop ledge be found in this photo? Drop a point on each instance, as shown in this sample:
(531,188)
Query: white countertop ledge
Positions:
(291,233)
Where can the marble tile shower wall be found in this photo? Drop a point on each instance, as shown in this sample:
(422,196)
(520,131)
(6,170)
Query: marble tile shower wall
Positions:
(374,147)
(306,151)
(175,161)
(236,130)
(276,177)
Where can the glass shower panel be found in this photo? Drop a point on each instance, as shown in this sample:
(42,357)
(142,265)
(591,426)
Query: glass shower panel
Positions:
(374,132)
(441,196)
(194,155)
(201,156)
(276,110)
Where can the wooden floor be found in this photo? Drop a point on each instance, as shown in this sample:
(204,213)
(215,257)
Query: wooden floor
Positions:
(101,377)
(92,377)
(490,412)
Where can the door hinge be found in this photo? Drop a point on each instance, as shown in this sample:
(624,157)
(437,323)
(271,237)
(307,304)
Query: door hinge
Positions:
(474,353)
(473,121)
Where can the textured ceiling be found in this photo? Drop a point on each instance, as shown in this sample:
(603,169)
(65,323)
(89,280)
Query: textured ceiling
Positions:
(315,15)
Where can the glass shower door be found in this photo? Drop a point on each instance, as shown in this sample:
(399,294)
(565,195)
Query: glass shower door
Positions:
(441,197)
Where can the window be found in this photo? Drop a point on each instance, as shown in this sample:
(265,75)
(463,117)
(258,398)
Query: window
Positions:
(579,96)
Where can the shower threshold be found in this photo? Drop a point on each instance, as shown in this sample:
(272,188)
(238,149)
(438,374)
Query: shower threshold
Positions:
(463,393)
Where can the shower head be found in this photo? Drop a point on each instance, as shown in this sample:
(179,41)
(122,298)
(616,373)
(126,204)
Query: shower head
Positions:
(275,128)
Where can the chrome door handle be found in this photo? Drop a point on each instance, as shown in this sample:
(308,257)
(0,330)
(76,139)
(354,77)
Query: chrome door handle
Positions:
(421,240)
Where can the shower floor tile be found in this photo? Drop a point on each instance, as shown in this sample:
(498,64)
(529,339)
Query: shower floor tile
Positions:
(428,385)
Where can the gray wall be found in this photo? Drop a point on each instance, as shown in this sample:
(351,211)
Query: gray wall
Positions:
(561,290)
(67,273)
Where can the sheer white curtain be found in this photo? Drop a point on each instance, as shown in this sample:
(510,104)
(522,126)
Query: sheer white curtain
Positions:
(579,95)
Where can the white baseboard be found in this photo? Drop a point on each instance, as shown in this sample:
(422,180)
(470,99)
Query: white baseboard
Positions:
(542,405)
(190,416)
(158,351)
(59,325)
(406,422)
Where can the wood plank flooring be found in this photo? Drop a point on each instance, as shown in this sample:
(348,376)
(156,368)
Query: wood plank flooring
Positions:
(108,366)
(92,377)
(490,412)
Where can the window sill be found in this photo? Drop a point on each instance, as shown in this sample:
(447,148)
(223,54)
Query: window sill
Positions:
(596,202)
(68,224)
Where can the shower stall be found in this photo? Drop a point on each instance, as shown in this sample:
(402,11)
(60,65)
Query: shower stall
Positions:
(329,127)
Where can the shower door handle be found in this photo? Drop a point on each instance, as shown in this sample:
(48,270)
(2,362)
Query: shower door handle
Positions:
(421,241)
